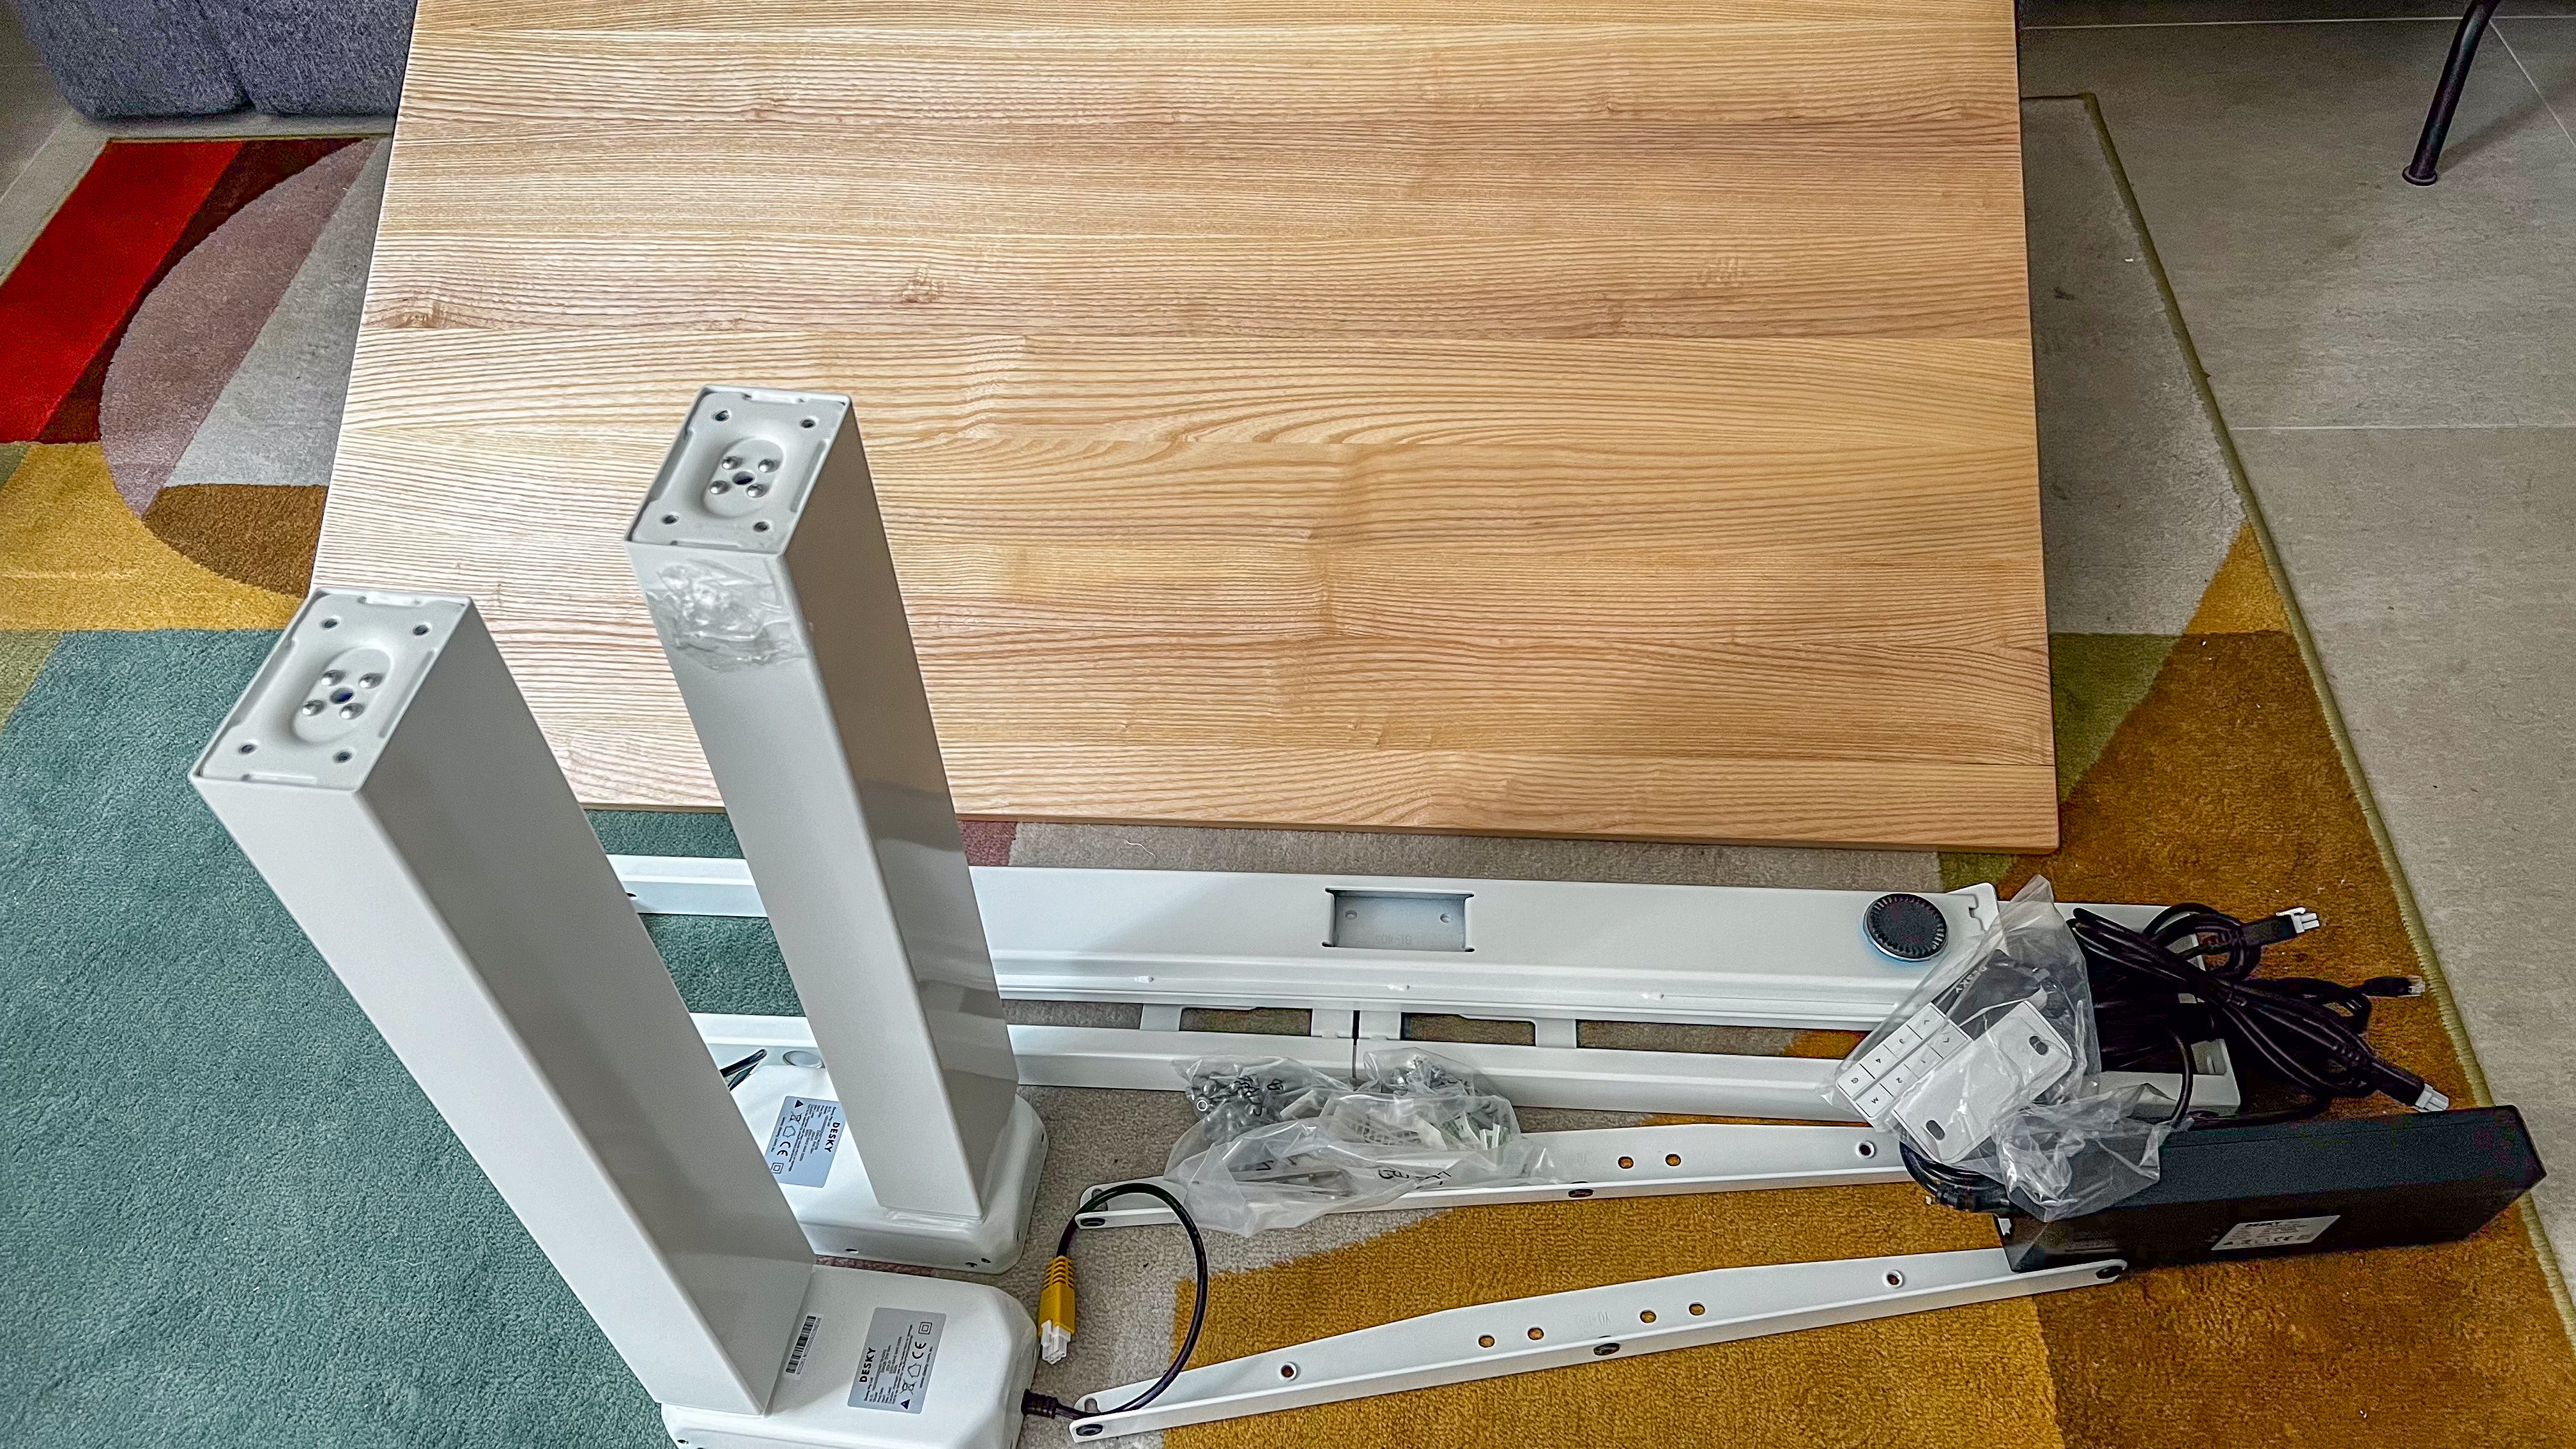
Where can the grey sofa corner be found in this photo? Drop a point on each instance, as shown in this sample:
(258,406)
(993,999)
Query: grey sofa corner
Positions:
(201,57)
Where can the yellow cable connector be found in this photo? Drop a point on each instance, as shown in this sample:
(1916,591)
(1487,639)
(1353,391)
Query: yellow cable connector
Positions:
(1055,1311)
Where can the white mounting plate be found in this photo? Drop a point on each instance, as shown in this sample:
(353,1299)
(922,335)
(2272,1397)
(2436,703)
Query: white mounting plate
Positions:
(1635,1162)
(1716,955)
(1557,1330)
(842,1217)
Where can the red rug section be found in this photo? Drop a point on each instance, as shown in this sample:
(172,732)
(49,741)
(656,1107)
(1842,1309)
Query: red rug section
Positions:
(142,206)
(71,293)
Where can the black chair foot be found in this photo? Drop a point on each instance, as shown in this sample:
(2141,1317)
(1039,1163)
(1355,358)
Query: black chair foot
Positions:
(2425,169)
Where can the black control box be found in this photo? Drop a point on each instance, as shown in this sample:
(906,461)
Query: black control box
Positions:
(2229,1194)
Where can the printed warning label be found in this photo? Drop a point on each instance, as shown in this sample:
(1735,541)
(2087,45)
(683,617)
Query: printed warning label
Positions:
(2276,1232)
(894,1369)
(802,1145)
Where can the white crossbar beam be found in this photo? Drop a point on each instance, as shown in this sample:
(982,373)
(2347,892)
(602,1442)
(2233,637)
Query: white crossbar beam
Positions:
(1558,1330)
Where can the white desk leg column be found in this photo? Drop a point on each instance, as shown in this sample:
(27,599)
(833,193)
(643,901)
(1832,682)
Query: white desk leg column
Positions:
(763,557)
(385,776)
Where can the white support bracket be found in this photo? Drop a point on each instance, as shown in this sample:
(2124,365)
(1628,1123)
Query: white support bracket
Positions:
(1559,1330)
(1512,949)
(1700,1084)
(1634,1162)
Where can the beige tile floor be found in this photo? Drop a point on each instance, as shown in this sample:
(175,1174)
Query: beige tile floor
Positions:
(2398,366)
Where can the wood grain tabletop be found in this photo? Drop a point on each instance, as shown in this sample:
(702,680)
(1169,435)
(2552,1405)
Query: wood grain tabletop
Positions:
(1582,417)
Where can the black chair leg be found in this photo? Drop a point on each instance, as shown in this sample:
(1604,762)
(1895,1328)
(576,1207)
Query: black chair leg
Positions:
(2425,169)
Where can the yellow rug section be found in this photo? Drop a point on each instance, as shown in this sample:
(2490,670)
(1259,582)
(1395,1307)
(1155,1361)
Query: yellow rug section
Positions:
(73,556)
(1970,1376)
(2240,598)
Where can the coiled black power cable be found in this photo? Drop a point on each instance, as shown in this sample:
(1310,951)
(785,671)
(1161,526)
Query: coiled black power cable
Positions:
(2189,977)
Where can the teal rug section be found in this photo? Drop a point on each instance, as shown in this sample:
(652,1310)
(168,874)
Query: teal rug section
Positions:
(722,963)
(232,1219)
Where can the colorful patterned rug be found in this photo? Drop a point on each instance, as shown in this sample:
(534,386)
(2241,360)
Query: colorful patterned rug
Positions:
(231,1219)
(179,339)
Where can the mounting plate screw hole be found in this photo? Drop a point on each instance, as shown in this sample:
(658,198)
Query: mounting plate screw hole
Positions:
(1698,1308)
(1537,1333)
(670,518)
(1579,1192)
(1895,1279)
(1869,1149)
(1648,1316)
(1484,1340)
(341,758)
(1287,1371)
(761,527)
(330,623)
(1672,1159)
(1605,1350)
(420,628)
(809,422)
(1627,1162)
(723,413)
(246,749)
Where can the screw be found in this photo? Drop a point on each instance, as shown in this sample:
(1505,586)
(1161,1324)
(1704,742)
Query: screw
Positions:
(312,706)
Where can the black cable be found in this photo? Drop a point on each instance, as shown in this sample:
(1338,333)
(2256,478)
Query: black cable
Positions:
(2189,976)
(740,1072)
(1052,1407)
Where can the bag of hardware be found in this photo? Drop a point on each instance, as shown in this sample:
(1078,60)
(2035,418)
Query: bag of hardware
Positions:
(1278,1143)
(1990,1075)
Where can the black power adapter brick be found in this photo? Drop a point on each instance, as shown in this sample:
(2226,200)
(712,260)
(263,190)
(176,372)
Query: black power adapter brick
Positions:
(2232,1193)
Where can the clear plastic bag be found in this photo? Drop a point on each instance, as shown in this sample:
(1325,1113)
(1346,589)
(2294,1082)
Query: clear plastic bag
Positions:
(1992,1066)
(1279,1143)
